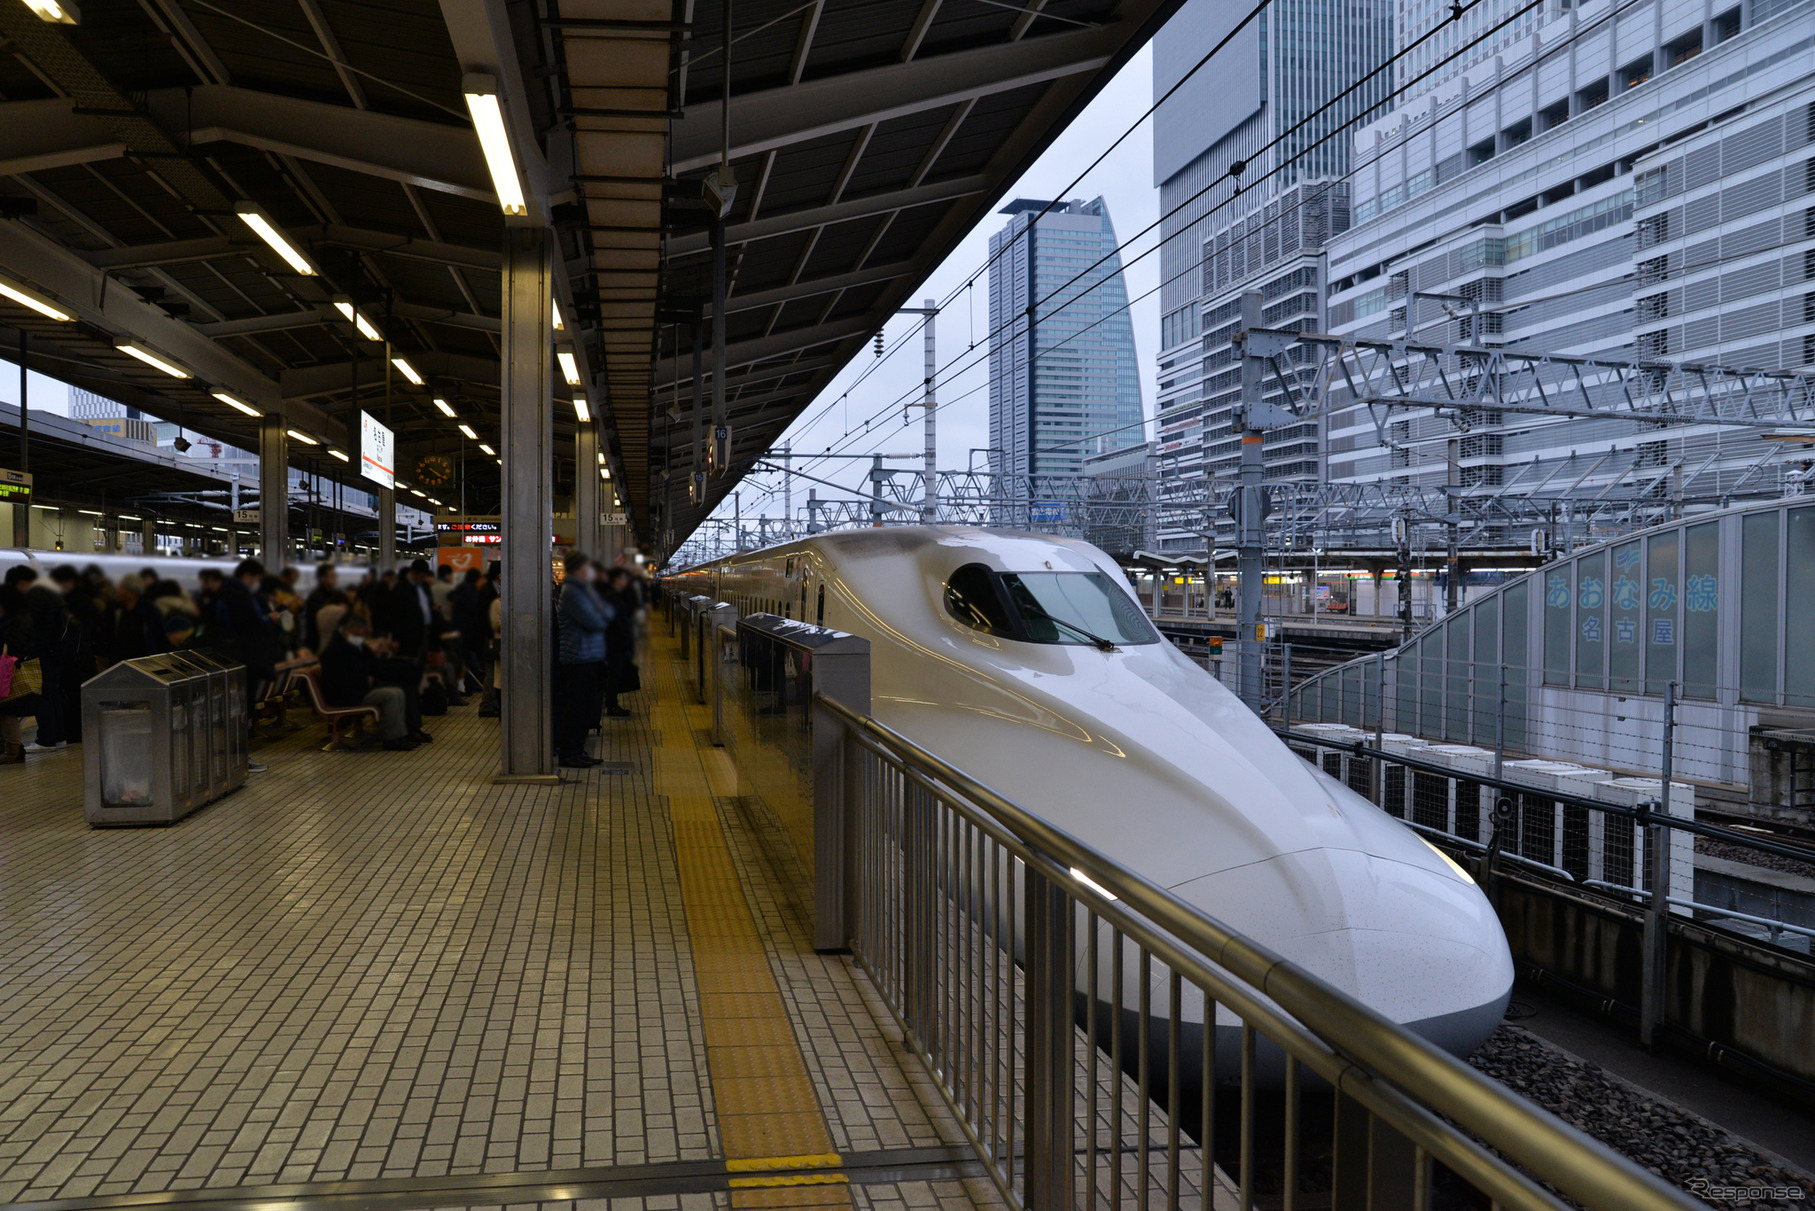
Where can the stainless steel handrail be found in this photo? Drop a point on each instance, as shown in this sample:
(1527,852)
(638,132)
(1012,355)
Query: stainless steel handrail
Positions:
(1397,1074)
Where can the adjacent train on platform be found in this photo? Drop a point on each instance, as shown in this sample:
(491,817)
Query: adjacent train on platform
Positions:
(185,570)
(1026,661)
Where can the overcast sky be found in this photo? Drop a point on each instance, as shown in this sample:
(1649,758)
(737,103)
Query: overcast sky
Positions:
(836,419)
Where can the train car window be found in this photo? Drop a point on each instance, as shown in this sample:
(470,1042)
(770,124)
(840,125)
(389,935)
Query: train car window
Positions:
(973,598)
(1075,607)
(821,620)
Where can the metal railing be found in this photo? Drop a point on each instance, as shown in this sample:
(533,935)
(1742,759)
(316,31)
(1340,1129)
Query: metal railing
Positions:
(1060,1001)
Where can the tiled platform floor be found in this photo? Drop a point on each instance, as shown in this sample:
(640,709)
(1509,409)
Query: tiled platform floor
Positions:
(370,966)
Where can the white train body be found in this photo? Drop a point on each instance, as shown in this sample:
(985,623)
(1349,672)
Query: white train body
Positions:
(1142,754)
(184,570)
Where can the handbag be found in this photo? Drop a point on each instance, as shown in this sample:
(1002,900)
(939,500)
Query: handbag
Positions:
(28,678)
(7,664)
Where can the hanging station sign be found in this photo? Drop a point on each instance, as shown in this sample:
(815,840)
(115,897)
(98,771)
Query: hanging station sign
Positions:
(377,452)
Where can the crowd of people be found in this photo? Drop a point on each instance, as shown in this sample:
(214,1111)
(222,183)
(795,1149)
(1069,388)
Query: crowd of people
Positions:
(388,641)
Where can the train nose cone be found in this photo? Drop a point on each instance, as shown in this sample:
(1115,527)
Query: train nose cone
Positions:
(1417,945)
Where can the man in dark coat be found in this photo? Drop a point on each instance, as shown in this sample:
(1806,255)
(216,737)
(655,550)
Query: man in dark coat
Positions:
(349,677)
(620,642)
(583,618)
(53,632)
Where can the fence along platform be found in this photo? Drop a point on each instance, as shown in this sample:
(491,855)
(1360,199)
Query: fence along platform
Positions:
(972,917)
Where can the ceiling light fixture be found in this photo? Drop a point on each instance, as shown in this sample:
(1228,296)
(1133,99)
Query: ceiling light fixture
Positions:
(601,458)
(570,369)
(581,411)
(483,104)
(408,371)
(468,430)
(62,12)
(239,405)
(151,359)
(340,454)
(358,320)
(488,449)
(560,324)
(446,409)
(268,231)
(302,437)
(28,298)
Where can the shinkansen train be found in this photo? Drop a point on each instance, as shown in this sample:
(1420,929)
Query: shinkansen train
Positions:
(1026,661)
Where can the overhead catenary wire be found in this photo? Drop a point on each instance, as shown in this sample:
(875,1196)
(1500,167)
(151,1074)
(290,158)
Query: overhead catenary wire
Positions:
(943,375)
(952,368)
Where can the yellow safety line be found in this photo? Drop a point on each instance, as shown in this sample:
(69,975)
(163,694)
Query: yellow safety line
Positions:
(768,1114)
(826,1160)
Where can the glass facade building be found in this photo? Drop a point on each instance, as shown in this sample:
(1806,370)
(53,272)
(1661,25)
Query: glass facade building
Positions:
(1065,386)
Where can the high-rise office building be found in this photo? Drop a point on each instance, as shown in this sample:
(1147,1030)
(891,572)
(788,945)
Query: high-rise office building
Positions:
(1632,181)
(1067,385)
(1259,102)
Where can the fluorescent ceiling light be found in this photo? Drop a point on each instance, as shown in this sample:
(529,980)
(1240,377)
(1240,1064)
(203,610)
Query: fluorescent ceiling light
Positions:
(580,410)
(408,371)
(419,492)
(152,359)
(569,369)
(560,325)
(488,449)
(130,517)
(267,231)
(90,512)
(302,437)
(218,529)
(63,12)
(488,120)
(340,454)
(446,409)
(358,320)
(237,404)
(468,430)
(27,298)
(601,458)
(605,471)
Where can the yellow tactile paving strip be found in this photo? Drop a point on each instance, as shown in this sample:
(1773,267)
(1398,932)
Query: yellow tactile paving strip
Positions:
(768,1116)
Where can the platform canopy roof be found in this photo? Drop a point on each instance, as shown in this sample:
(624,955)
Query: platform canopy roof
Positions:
(866,137)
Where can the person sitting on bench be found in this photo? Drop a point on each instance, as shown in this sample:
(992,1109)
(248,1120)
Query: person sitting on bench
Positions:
(349,678)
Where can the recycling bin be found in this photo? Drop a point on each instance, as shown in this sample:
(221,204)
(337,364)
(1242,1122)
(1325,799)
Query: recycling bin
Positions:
(163,735)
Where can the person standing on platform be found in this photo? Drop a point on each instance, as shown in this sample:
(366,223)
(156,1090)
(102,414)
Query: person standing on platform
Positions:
(326,592)
(51,627)
(409,614)
(237,628)
(620,643)
(583,617)
(18,641)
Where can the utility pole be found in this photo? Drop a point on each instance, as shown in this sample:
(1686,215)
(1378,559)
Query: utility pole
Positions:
(929,497)
(1453,562)
(787,491)
(1250,508)
(1654,965)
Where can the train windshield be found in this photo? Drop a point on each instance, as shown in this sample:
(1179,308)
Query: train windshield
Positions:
(1046,607)
(1075,607)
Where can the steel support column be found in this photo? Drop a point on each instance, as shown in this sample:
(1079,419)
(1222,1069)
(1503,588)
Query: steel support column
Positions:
(586,491)
(387,528)
(273,492)
(527,521)
(1250,520)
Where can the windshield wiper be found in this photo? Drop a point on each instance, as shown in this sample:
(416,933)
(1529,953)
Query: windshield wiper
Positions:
(1101,643)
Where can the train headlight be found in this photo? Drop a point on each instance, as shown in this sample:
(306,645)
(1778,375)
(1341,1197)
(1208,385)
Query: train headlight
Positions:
(1453,864)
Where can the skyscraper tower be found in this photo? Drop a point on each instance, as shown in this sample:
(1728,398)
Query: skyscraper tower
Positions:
(1258,104)
(1063,379)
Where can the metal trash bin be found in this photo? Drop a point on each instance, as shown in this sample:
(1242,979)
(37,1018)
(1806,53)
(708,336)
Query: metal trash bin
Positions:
(164,735)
